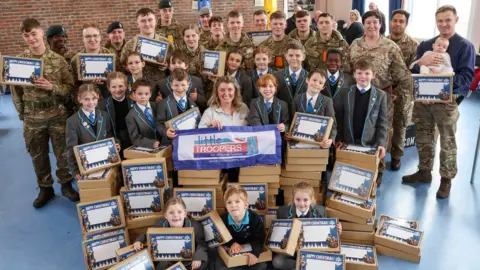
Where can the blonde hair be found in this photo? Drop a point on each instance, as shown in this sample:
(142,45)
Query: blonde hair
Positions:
(236,190)
(174,201)
(357,13)
(305,187)
(116,75)
(86,89)
(215,100)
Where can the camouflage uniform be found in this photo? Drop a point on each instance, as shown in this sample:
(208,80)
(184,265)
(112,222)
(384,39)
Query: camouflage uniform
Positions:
(194,59)
(294,35)
(173,32)
(44,117)
(244,46)
(204,36)
(68,55)
(277,51)
(316,49)
(392,75)
(210,44)
(408,46)
(119,67)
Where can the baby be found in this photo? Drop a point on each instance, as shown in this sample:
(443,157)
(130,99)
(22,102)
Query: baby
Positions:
(440,49)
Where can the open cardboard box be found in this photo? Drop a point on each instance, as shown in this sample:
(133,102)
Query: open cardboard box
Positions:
(101,179)
(142,259)
(365,157)
(360,257)
(216,233)
(283,236)
(308,151)
(134,152)
(242,260)
(171,244)
(260,170)
(390,252)
(353,206)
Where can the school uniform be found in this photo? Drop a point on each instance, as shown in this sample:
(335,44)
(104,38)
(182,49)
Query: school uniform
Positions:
(256,75)
(250,231)
(153,84)
(200,253)
(335,83)
(141,131)
(169,108)
(273,113)
(245,83)
(195,83)
(290,85)
(83,128)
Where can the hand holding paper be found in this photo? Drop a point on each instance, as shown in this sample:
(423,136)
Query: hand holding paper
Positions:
(171,133)
(43,84)
(281,127)
(326,144)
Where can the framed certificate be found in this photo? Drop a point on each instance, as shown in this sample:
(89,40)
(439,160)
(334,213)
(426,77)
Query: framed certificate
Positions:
(283,235)
(140,260)
(214,63)
(432,87)
(259,36)
(145,173)
(95,66)
(310,128)
(257,196)
(199,201)
(312,260)
(96,156)
(101,215)
(20,71)
(400,238)
(359,254)
(412,224)
(216,233)
(351,180)
(142,202)
(319,234)
(100,253)
(186,120)
(152,50)
(171,244)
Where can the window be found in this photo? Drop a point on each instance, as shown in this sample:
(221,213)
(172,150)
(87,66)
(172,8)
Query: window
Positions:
(423,15)
(383,6)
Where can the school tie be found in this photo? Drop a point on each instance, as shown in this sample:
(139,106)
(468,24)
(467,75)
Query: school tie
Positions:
(310,106)
(332,79)
(268,104)
(148,115)
(181,102)
(91,117)
(303,216)
(260,75)
(294,78)
(362,91)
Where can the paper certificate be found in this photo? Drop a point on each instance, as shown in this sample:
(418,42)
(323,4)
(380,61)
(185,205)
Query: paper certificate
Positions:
(259,36)
(279,234)
(142,202)
(311,128)
(212,235)
(433,88)
(198,202)
(95,156)
(95,66)
(358,253)
(319,233)
(402,234)
(257,196)
(20,71)
(170,247)
(144,176)
(152,50)
(186,120)
(213,63)
(352,181)
(310,260)
(99,216)
(101,253)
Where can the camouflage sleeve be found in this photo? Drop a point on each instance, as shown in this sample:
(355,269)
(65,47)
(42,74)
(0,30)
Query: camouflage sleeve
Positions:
(17,98)
(412,55)
(401,79)
(76,82)
(126,51)
(346,52)
(64,88)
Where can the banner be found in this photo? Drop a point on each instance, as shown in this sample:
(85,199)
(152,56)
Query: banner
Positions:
(231,147)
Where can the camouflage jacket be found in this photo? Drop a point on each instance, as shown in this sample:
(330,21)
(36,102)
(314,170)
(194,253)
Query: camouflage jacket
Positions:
(294,35)
(194,59)
(277,51)
(204,36)
(408,46)
(40,104)
(173,32)
(68,55)
(316,49)
(118,54)
(210,44)
(244,46)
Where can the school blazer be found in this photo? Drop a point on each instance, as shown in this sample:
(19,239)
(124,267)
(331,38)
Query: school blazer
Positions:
(140,131)
(79,131)
(195,83)
(254,76)
(285,88)
(258,115)
(346,80)
(323,106)
(376,124)
(107,106)
(289,212)
(200,253)
(166,110)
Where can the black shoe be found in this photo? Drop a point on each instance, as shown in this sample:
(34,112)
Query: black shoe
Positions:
(69,192)
(459,99)
(45,195)
(395,164)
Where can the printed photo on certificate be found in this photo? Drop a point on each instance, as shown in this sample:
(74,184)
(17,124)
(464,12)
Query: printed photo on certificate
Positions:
(20,71)
(152,50)
(95,66)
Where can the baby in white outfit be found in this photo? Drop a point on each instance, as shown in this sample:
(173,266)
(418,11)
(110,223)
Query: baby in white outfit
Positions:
(439,48)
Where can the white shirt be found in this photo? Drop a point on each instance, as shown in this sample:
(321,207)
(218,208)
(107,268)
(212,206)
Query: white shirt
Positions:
(366,88)
(314,100)
(88,113)
(143,107)
(297,73)
(177,98)
(239,117)
(270,100)
(336,75)
(265,72)
(299,213)
(233,74)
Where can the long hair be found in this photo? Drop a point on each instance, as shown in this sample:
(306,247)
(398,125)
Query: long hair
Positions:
(215,100)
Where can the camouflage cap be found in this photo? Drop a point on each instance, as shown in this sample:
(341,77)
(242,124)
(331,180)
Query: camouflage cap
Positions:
(165,4)
(55,30)
(204,11)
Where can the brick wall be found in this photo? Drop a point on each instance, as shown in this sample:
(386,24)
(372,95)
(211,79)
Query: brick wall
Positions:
(74,13)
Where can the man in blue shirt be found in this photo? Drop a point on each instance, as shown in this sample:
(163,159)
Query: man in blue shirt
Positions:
(444,116)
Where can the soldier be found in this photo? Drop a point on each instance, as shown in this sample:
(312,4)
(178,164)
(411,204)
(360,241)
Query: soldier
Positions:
(192,50)
(167,26)
(43,113)
(327,38)
(204,15)
(236,40)
(277,43)
(116,41)
(392,75)
(146,22)
(216,29)
(57,39)
(442,115)
(408,46)
(260,20)
(303,32)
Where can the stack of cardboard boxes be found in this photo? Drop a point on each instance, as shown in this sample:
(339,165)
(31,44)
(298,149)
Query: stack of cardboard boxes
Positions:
(99,185)
(269,174)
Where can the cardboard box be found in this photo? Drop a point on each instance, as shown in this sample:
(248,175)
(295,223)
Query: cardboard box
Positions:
(383,250)
(301,175)
(305,168)
(284,181)
(357,155)
(319,234)
(273,191)
(273,185)
(199,201)
(135,171)
(177,266)
(373,194)
(108,246)
(240,259)
(88,156)
(352,180)
(108,214)
(259,179)
(106,233)
(310,128)
(216,233)
(257,195)
(358,242)
(124,253)
(349,226)
(135,222)
(360,257)
(412,224)
(364,236)
(352,206)
(134,152)
(202,181)
(98,193)
(283,235)
(199,174)
(307,161)
(303,150)
(171,244)
(289,190)
(269,216)
(333,213)
(141,259)
(100,179)
(134,234)
(319,260)
(147,201)
(400,238)
(260,170)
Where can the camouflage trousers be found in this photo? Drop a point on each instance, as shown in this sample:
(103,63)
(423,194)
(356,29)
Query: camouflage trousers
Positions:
(37,134)
(397,143)
(444,116)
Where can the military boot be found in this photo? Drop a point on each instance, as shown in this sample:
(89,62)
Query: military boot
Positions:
(444,189)
(418,177)
(44,196)
(69,192)
(379,179)
(395,164)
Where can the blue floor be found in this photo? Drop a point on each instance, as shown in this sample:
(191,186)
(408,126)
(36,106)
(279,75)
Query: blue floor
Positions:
(49,238)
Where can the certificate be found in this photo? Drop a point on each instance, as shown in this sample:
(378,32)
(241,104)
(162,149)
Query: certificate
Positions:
(139,261)
(152,50)
(216,233)
(199,201)
(319,234)
(259,36)
(283,235)
(145,173)
(20,71)
(101,215)
(171,244)
(312,260)
(95,66)
(96,156)
(142,202)
(359,254)
(351,180)
(310,128)
(412,224)
(257,196)
(101,253)
(432,87)
(186,120)
(398,233)
(214,63)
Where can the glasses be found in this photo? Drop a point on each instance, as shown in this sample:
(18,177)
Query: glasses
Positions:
(91,36)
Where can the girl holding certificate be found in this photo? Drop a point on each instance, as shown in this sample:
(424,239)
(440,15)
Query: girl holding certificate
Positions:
(191,49)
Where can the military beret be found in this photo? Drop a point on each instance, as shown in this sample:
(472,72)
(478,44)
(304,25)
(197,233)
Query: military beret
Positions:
(165,4)
(113,26)
(204,11)
(55,30)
